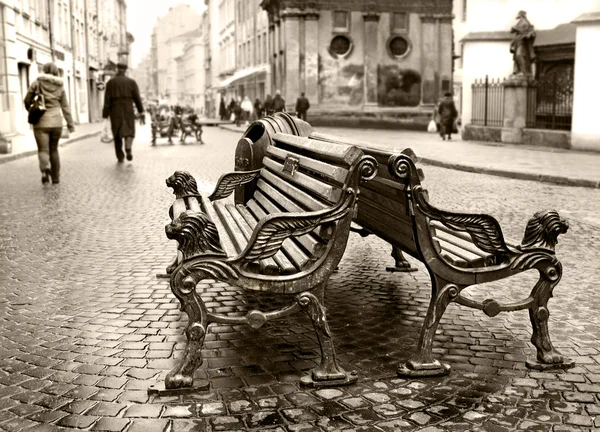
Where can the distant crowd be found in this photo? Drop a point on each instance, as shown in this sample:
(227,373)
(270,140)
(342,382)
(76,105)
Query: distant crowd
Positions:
(243,110)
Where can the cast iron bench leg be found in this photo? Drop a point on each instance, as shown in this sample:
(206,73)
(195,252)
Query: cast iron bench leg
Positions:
(329,372)
(424,365)
(401,264)
(182,376)
(547,356)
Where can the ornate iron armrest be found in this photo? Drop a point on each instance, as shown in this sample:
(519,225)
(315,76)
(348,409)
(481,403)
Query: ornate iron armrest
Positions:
(228,182)
(271,232)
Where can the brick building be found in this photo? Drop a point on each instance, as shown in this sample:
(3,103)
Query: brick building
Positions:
(384,58)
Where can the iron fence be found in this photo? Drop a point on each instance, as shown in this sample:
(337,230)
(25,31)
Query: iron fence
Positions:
(550,103)
(487,102)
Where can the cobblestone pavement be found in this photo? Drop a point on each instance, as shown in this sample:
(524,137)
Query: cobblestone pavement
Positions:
(86,327)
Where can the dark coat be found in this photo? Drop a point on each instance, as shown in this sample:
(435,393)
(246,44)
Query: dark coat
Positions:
(447,112)
(278,104)
(302,104)
(121,93)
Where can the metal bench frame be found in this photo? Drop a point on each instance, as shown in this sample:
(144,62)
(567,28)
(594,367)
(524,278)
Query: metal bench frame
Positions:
(201,255)
(493,258)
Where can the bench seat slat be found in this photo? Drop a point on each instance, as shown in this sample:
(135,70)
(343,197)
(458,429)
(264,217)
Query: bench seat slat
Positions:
(454,250)
(301,197)
(460,234)
(226,241)
(340,153)
(312,245)
(268,265)
(460,243)
(332,172)
(322,189)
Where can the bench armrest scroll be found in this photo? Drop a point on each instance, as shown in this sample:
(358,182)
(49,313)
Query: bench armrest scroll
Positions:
(228,182)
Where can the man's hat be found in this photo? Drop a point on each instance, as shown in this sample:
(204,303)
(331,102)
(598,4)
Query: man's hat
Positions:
(521,13)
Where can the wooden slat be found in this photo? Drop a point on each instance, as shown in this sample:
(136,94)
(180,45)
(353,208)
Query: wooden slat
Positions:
(454,250)
(381,188)
(341,153)
(301,197)
(458,242)
(312,245)
(324,190)
(267,265)
(285,265)
(226,241)
(332,172)
(280,198)
(232,229)
(460,234)
(293,251)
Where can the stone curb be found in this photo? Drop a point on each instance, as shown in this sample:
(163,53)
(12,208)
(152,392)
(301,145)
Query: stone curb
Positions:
(519,175)
(34,152)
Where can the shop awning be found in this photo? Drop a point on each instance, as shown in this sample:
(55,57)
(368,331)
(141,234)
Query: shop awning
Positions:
(241,74)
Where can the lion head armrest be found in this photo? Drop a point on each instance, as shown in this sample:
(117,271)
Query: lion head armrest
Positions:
(542,230)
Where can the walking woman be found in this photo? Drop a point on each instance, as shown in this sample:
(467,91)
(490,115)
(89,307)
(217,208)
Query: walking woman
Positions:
(48,129)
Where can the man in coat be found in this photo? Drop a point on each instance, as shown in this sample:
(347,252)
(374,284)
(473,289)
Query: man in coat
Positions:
(278,103)
(121,93)
(448,114)
(302,106)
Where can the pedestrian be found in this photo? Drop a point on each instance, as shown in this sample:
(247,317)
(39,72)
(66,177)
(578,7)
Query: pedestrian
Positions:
(302,106)
(278,102)
(258,108)
(222,110)
(237,111)
(268,105)
(247,108)
(121,93)
(448,114)
(48,129)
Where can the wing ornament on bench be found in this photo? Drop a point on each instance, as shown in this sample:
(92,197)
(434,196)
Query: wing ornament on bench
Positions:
(228,182)
(272,231)
(484,230)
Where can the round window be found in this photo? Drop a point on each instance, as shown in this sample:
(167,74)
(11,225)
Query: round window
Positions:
(340,45)
(398,46)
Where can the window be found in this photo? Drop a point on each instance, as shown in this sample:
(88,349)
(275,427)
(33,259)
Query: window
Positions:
(340,46)
(399,22)
(3,67)
(341,21)
(398,46)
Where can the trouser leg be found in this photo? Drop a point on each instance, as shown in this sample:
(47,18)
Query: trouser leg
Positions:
(128,144)
(42,139)
(54,157)
(119,147)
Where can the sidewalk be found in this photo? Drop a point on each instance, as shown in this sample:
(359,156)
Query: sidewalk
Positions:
(24,145)
(549,165)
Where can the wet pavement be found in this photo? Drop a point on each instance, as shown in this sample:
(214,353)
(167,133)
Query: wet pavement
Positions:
(87,327)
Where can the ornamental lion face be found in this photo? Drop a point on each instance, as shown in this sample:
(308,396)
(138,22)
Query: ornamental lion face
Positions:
(183,184)
(543,230)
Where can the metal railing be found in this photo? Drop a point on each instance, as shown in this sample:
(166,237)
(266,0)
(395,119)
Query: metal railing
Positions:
(550,103)
(487,102)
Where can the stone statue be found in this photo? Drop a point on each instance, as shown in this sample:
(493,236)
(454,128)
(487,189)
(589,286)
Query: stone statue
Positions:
(522,45)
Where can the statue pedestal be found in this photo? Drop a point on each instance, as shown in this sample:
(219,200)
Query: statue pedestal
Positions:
(515,108)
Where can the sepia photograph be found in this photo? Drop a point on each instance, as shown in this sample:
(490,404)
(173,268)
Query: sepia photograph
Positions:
(299,215)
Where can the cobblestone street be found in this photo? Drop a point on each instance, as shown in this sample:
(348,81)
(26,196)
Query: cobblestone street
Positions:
(86,327)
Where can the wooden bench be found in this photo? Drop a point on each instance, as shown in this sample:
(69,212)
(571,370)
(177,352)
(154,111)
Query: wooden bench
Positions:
(287,239)
(459,250)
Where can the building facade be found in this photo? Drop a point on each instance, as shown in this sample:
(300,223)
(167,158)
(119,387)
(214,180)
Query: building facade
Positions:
(376,56)
(83,37)
(180,19)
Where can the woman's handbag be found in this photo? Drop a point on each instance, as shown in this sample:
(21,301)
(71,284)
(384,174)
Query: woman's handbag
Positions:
(37,107)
